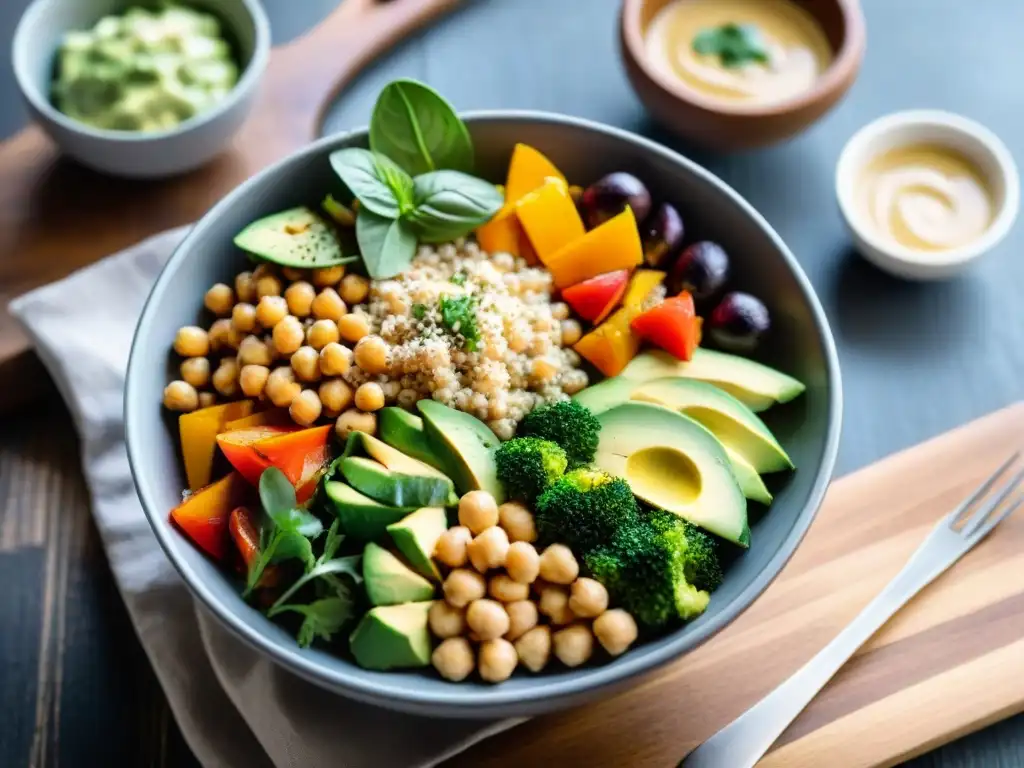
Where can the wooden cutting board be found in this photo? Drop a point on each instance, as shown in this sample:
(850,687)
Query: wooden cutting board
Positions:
(949,663)
(56,216)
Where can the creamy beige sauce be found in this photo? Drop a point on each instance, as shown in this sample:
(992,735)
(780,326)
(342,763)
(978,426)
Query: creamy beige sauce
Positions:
(798,51)
(926,197)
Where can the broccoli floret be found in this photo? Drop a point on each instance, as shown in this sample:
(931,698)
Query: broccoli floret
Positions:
(702,567)
(644,572)
(585,509)
(528,465)
(567,423)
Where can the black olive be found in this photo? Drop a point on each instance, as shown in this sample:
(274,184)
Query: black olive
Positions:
(609,196)
(738,322)
(702,269)
(662,235)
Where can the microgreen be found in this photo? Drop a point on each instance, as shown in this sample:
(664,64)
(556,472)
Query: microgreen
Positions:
(734,44)
(458,314)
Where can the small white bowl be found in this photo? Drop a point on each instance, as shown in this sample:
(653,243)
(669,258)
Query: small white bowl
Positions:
(971,139)
(134,154)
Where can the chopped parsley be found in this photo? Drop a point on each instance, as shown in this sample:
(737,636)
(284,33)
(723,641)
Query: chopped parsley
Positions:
(733,44)
(419,311)
(459,278)
(458,314)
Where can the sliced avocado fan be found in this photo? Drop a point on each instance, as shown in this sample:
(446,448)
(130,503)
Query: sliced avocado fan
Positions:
(298,237)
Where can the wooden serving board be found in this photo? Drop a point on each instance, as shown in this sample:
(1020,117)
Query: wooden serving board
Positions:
(951,662)
(56,216)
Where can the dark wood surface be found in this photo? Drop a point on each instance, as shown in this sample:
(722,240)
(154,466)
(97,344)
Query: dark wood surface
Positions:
(917,360)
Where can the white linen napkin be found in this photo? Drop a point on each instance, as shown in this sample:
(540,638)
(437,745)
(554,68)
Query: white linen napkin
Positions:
(234,707)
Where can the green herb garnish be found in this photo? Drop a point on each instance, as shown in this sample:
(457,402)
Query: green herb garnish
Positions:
(419,311)
(458,314)
(459,278)
(734,44)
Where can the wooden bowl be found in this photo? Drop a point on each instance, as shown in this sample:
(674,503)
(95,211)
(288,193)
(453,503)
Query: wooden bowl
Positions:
(720,125)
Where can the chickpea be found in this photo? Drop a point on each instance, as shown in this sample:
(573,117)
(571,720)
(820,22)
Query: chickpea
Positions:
(543,369)
(488,549)
(558,565)
(192,341)
(522,617)
(253,379)
(245,287)
(534,648)
(616,630)
(478,511)
(328,305)
(281,387)
(327,276)
(453,659)
(497,660)
(321,333)
(463,586)
(196,371)
(522,562)
(335,396)
(305,408)
(560,310)
(235,337)
(371,354)
(182,396)
(571,332)
(219,299)
(353,327)
(253,351)
(517,521)
(306,364)
(271,310)
(335,360)
(445,620)
(588,598)
(293,273)
(554,603)
(225,378)
(354,289)
(288,335)
(206,399)
(220,330)
(504,588)
(243,317)
(263,269)
(300,297)
(573,645)
(369,397)
(451,546)
(487,619)
(268,285)
(355,421)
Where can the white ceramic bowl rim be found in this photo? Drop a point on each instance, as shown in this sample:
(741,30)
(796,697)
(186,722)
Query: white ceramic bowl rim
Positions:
(253,71)
(855,156)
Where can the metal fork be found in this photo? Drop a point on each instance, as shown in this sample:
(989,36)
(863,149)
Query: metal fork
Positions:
(744,741)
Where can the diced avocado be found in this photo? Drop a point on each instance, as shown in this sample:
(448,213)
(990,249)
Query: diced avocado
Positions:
(751,483)
(393,637)
(466,447)
(360,516)
(755,385)
(404,431)
(389,581)
(396,489)
(672,462)
(298,237)
(416,537)
(607,394)
(736,426)
(362,444)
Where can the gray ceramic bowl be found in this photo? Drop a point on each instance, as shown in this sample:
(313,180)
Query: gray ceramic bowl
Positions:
(128,153)
(801,345)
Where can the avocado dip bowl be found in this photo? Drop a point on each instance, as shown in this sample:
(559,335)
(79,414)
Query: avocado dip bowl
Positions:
(799,343)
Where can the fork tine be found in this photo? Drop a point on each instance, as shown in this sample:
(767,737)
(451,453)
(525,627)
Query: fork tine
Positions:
(978,518)
(987,529)
(982,489)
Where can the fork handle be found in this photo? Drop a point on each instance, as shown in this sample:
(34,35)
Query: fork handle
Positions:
(744,741)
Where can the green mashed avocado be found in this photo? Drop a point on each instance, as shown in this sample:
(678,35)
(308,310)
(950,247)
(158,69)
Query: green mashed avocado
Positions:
(145,69)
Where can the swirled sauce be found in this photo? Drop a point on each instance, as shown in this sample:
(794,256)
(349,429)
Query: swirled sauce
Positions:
(742,51)
(926,197)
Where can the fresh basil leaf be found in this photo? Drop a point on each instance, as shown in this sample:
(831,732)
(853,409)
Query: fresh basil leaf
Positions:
(277,495)
(418,129)
(322,618)
(363,172)
(451,204)
(399,182)
(388,246)
(734,44)
(351,566)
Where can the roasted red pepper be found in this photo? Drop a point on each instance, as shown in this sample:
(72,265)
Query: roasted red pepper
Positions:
(297,454)
(594,299)
(246,535)
(203,516)
(237,447)
(672,325)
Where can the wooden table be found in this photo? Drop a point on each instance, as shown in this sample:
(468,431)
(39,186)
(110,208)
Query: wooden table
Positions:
(76,688)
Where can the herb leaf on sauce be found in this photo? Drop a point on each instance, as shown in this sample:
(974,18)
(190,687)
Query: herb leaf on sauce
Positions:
(734,44)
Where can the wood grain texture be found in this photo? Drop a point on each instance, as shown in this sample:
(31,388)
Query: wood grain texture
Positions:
(47,204)
(951,662)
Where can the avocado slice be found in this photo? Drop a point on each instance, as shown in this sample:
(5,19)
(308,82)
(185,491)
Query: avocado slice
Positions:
(298,237)
(607,394)
(404,432)
(736,426)
(392,637)
(360,516)
(466,447)
(751,483)
(417,535)
(395,489)
(755,385)
(389,581)
(672,462)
